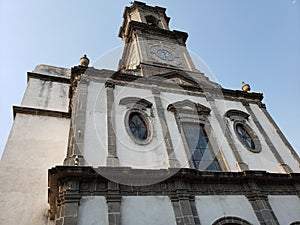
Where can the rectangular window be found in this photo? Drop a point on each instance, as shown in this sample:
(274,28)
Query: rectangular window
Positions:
(201,151)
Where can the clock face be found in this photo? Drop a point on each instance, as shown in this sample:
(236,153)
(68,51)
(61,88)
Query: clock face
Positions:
(164,54)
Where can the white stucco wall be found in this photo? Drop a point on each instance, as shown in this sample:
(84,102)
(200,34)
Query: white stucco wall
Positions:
(286,208)
(47,95)
(147,210)
(93,211)
(281,148)
(95,132)
(35,144)
(264,160)
(212,208)
(152,155)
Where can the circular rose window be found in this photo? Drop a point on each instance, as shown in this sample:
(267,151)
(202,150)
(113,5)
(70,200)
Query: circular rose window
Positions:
(244,136)
(247,137)
(138,126)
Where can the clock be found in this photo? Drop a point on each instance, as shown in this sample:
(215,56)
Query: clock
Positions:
(164,54)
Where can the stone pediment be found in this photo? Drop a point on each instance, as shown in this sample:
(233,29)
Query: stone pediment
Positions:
(188,107)
(178,78)
(189,79)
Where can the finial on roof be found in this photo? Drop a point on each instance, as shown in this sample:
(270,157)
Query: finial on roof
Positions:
(84,61)
(245,87)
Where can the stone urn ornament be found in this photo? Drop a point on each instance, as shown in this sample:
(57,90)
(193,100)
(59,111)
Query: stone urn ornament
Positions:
(245,87)
(84,61)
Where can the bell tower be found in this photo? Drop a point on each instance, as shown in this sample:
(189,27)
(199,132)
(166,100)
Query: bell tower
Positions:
(150,46)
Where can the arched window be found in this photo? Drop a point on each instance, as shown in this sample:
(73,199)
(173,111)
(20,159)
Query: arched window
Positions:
(230,220)
(295,223)
(152,21)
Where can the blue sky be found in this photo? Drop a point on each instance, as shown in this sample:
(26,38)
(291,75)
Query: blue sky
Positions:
(256,41)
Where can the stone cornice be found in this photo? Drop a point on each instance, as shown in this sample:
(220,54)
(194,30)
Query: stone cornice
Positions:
(64,181)
(164,85)
(87,173)
(40,76)
(180,36)
(39,112)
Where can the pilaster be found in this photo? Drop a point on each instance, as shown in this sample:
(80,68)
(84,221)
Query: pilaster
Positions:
(260,205)
(278,131)
(69,199)
(184,206)
(112,158)
(77,128)
(276,154)
(113,199)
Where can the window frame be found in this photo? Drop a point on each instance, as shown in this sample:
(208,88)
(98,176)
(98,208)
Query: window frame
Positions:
(147,122)
(240,118)
(187,111)
(143,108)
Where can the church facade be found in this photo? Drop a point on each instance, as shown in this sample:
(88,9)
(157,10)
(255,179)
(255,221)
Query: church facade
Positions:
(155,142)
